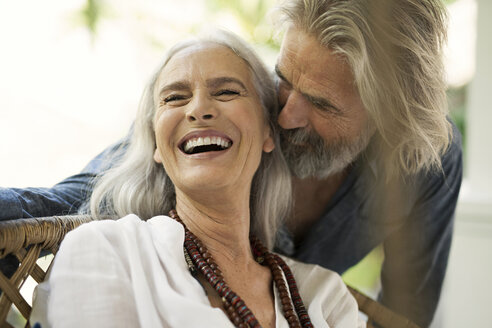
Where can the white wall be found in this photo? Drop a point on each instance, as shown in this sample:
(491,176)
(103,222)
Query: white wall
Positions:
(465,301)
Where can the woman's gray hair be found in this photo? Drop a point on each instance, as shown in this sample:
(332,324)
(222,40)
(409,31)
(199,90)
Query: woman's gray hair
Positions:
(139,185)
(394,49)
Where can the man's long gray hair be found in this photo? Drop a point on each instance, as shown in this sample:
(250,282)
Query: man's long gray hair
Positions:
(394,49)
(139,185)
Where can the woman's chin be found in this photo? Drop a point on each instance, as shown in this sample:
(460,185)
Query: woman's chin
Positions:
(210,179)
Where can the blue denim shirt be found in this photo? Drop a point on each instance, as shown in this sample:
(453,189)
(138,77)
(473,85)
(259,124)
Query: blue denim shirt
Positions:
(416,235)
(416,239)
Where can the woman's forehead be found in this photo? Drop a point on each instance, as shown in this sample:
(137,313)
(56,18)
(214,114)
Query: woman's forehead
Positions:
(204,60)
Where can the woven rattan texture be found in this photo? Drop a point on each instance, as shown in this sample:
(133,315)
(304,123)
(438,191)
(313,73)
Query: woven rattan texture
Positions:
(25,239)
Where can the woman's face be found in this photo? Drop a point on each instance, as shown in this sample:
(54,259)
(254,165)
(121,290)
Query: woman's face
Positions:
(209,125)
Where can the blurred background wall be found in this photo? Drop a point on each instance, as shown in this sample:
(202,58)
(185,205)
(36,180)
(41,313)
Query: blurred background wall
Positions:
(72,71)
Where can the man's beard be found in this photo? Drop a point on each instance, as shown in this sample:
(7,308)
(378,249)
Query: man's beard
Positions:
(308,155)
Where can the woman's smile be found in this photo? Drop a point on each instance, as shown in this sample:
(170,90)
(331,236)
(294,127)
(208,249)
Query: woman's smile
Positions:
(204,143)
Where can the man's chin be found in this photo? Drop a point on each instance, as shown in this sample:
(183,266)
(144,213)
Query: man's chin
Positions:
(308,156)
(319,173)
(319,164)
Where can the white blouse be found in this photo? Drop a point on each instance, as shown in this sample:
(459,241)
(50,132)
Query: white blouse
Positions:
(132,273)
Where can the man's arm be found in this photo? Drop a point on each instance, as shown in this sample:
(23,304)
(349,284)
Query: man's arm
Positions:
(63,198)
(416,255)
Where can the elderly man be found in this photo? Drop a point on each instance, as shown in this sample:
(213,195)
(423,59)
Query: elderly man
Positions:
(373,157)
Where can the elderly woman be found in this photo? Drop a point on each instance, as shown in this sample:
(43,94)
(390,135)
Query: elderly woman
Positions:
(204,149)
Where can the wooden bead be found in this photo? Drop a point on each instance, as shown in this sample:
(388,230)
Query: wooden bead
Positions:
(282,289)
(289,313)
(237,320)
(277,276)
(285,300)
(292,320)
(283,294)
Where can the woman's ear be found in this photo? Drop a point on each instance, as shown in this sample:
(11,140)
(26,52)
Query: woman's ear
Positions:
(157,156)
(268,144)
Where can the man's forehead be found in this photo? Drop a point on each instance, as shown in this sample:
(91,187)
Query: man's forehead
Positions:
(314,59)
(308,65)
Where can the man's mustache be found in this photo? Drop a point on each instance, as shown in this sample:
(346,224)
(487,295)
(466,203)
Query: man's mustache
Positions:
(300,137)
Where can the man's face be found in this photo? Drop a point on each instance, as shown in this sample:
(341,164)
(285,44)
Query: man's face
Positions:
(325,124)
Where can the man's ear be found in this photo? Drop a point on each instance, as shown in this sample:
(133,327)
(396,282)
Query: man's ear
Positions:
(157,156)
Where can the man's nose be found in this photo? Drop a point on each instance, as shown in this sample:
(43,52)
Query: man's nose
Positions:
(295,112)
(201,109)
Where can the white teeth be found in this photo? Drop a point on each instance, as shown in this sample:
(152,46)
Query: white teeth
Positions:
(203,141)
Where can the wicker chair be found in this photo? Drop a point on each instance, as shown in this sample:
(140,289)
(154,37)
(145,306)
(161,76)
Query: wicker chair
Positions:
(26,238)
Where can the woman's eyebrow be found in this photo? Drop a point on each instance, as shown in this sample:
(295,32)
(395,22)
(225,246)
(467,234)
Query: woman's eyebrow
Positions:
(175,86)
(218,81)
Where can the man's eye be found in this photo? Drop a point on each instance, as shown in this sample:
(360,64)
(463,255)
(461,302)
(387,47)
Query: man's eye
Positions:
(326,108)
(320,105)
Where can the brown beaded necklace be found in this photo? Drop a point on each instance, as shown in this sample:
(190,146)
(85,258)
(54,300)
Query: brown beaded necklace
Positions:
(198,257)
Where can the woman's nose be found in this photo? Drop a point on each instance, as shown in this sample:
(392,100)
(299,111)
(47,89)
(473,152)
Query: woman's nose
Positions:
(295,111)
(202,109)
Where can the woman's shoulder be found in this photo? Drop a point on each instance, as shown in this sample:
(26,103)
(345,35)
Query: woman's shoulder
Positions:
(129,224)
(120,234)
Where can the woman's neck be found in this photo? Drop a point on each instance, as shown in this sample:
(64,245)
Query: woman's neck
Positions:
(222,223)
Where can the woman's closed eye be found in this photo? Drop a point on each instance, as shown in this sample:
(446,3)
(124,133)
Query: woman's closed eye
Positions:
(174,99)
(226,94)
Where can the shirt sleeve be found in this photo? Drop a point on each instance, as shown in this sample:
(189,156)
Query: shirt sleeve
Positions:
(63,198)
(89,282)
(416,255)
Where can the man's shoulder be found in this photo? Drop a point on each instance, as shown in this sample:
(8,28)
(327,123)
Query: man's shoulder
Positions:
(449,175)
(453,155)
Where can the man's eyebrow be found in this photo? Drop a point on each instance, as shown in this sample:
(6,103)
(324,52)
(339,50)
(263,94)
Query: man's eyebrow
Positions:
(280,75)
(175,86)
(218,81)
